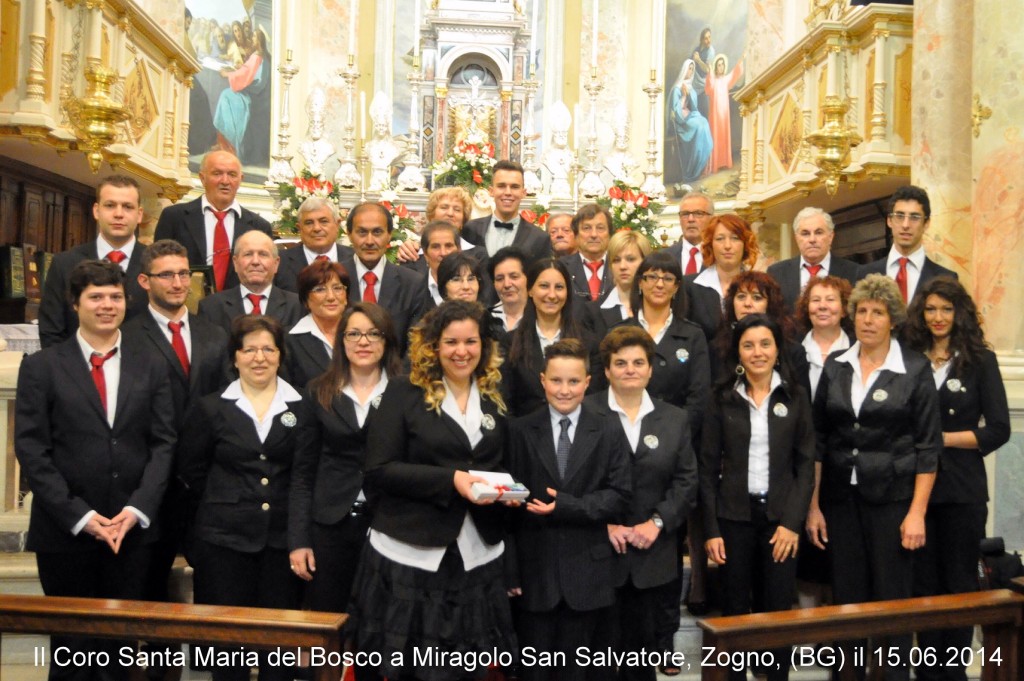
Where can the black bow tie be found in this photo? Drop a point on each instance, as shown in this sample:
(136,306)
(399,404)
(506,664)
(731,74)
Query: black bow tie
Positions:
(504,225)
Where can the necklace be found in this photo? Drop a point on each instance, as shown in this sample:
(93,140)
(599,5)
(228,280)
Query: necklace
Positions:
(938,360)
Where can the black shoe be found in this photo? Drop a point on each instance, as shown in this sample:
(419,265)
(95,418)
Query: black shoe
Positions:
(697,608)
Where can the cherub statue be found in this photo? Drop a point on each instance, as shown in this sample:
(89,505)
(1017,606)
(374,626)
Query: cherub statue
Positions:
(620,164)
(381,149)
(558,159)
(315,150)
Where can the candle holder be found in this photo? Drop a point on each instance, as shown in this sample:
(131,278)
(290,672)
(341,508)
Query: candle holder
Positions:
(652,185)
(281,169)
(348,175)
(364,159)
(411,178)
(531,176)
(592,186)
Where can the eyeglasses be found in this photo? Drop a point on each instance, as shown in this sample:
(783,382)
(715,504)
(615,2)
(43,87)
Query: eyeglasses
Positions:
(694,214)
(336,289)
(652,279)
(371,336)
(268,352)
(912,218)
(467,279)
(168,277)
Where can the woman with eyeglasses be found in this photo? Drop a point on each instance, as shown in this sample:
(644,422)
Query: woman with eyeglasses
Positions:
(235,456)
(323,291)
(327,516)
(729,246)
(459,276)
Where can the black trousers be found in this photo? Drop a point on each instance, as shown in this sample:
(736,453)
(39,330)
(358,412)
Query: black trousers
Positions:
(262,579)
(98,573)
(561,630)
(336,549)
(751,579)
(869,563)
(948,564)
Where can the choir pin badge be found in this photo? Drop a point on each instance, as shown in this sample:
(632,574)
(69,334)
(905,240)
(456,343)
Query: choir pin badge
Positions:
(955,385)
(879,395)
(651,441)
(682,354)
(376,401)
(487,422)
(288,420)
(780,410)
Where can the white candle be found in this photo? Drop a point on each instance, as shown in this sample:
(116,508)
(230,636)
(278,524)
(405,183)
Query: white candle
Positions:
(533,42)
(654,37)
(416,31)
(593,37)
(353,6)
(362,115)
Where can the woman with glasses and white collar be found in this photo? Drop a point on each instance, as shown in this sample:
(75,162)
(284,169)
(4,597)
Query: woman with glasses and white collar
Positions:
(327,515)
(235,457)
(323,291)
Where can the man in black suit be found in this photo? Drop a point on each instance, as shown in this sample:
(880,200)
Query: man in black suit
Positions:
(118,212)
(94,434)
(576,466)
(399,290)
(909,214)
(506,227)
(591,275)
(256,260)
(695,210)
(814,231)
(208,226)
(318,230)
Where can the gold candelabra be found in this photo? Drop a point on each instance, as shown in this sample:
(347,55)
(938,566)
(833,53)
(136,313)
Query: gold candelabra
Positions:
(95,116)
(833,141)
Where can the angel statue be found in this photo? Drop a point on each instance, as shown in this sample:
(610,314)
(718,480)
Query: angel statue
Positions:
(315,150)
(558,159)
(620,164)
(381,149)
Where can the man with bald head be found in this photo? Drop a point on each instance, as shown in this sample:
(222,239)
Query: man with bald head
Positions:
(256,260)
(208,226)
(318,231)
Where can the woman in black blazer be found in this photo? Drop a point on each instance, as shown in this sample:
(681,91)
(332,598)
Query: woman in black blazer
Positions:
(664,472)
(626,251)
(235,456)
(756,475)
(431,574)
(944,324)
(876,414)
(323,290)
(327,514)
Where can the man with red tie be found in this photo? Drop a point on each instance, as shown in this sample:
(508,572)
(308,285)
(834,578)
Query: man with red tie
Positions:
(118,212)
(910,210)
(695,210)
(814,230)
(209,226)
(591,276)
(94,434)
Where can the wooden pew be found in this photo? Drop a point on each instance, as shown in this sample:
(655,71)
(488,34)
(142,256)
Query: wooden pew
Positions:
(999,612)
(175,623)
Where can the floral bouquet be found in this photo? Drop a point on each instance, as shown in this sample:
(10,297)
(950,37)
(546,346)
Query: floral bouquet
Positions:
(538,213)
(298,190)
(632,209)
(403,220)
(469,165)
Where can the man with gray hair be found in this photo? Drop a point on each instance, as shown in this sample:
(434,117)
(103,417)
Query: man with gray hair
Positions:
(318,230)
(695,209)
(814,231)
(256,260)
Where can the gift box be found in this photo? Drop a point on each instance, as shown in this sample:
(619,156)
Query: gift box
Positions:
(499,486)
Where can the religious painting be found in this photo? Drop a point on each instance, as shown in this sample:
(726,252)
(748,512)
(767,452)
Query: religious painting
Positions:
(231,99)
(704,61)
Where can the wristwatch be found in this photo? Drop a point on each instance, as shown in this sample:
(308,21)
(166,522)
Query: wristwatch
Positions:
(658,522)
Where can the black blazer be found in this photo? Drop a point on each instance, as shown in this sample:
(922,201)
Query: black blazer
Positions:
(979,395)
(327,472)
(221,308)
(897,435)
(930,270)
(74,461)
(58,321)
(581,278)
(566,555)
(413,454)
(207,365)
(705,307)
(401,294)
(787,274)
(599,320)
(293,261)
(241,483)
(185,223)
(530,238)
(664,482)
(307,358)
(725,455)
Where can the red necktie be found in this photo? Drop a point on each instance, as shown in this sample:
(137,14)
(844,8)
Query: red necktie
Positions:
(320,258)
(901,278)
(255,299)
(97,360)
(691,264)
(594,281)
(178,343)
(813,270)
(370,295)
(221,250)
(116,257)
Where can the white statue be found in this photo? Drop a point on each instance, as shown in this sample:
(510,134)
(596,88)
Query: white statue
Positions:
(315,150)
(381,150)
(620,164)
(558,159)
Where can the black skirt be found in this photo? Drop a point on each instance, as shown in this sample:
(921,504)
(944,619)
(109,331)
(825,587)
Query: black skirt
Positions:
(401,609)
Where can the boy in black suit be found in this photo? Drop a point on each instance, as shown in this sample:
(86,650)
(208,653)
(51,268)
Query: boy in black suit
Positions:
(577,469)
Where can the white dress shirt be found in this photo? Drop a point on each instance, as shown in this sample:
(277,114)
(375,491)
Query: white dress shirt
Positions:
(361,270)
(805,275)
(757,458)
(613,300)
(210,222)
(308,325)
(556,425)
(647,327)
(817,364)
(914,266)
(631,428)
(279,404)
(709,279)
(495,239)
(103,248)
(247,304)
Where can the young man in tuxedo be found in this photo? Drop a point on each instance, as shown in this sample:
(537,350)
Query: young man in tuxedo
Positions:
(576,466)
(318,231)
(505,227)
(94,433)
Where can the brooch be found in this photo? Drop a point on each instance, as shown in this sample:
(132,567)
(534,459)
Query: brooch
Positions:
(651,441)
(288,420)
(879,395)
(682,354)
(780,410)
(487,422)
(375,402)
(955,385)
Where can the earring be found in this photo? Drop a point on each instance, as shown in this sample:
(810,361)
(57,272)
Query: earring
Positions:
(740,370)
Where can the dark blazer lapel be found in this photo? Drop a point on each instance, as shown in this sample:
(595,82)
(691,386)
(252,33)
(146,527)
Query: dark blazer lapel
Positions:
(489,409)
(196,223)
(346,411)
(75,368)
(160,341)
(389,285)
(544,443)
(457,431)
(125,383)
(278,431)
(650,425)
(355,295)
(243,426)
(202,348)
(588,435)
(276,305)
(523,233)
